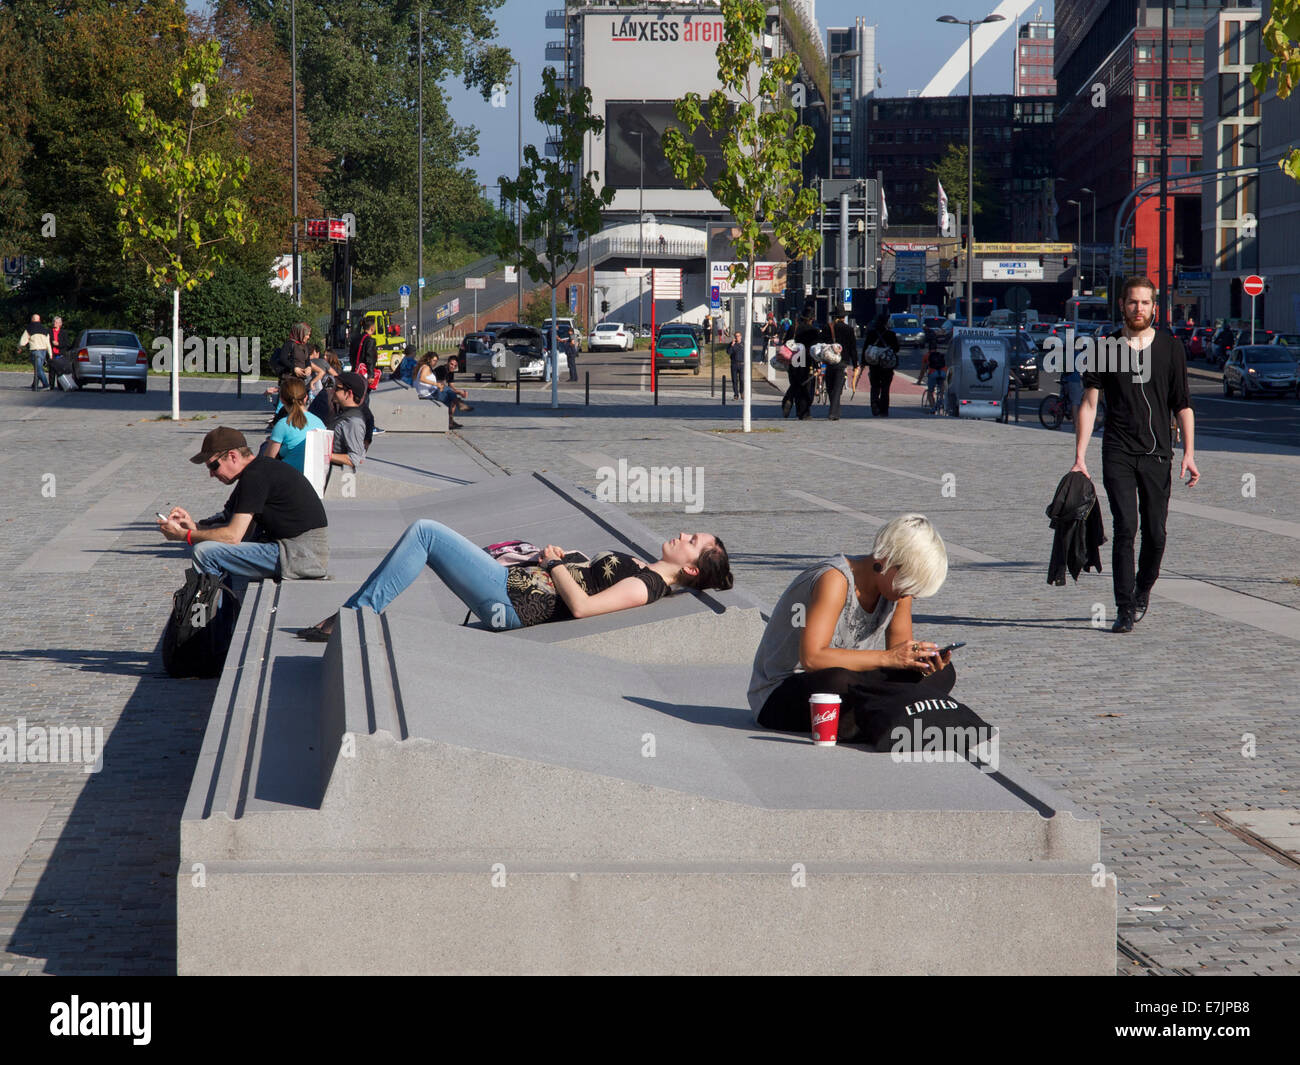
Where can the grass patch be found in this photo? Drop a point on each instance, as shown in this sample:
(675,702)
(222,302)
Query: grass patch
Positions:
(742,430)
(1292,580)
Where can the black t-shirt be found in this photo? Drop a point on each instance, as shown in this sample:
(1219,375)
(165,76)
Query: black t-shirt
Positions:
(843,335)
(532,591)
(281,500)
(1138,413)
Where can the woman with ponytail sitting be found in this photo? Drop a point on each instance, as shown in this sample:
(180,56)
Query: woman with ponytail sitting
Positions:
(288,438)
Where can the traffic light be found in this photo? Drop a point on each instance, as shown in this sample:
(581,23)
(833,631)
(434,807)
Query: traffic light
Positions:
(1065,260)
(1041,261)
(680,306)
(604,306)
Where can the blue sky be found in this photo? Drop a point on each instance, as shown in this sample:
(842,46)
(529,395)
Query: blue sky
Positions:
(910,46)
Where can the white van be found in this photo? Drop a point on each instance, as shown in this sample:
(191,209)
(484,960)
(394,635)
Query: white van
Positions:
(1003,317)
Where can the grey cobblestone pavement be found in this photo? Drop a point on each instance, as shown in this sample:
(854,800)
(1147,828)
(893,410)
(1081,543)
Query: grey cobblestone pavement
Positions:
(1146,731)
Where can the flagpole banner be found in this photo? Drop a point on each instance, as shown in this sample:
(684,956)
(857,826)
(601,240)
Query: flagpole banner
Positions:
(943,210)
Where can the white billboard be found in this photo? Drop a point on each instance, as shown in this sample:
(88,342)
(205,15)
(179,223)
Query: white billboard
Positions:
(636,64)
(1013,270)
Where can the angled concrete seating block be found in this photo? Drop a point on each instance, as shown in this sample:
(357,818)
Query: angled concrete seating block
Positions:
(397,409)
(593,796)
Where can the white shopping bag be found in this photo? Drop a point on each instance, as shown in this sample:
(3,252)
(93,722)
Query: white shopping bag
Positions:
(316,458)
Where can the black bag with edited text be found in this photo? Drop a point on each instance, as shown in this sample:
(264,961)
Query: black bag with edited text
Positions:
(200,628)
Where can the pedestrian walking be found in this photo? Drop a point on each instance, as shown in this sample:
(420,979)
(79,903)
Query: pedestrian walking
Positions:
(841,333)
(36,339)
(736,350)
(799,395)
(1142,400)
(708,329)
(570,349)
(880,363)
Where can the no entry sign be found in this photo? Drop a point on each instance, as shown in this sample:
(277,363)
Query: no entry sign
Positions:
(1253,285)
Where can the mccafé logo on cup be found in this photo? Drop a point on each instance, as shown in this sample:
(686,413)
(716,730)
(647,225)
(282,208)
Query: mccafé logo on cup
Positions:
(825,712)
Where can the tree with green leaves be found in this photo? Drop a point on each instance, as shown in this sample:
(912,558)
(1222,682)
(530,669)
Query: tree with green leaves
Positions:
(763,144)
(561,209)
(178,204)
(951,170)
(1281,37)
(357,71)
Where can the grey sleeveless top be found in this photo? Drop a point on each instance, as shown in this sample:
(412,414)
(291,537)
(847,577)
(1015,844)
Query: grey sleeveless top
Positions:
(778,652)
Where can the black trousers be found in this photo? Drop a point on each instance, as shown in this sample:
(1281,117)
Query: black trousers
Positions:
(871,702)
(737,381)
(1138,489)
(880,381)
(799,393)
(834,387)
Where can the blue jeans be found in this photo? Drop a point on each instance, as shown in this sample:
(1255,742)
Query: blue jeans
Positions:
(255,561)
(38,369)
(478,579)
(1073,389)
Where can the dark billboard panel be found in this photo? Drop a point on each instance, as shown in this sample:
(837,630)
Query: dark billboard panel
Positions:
(624,119)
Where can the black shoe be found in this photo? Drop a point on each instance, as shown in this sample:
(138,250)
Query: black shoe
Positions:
(1140,603)
(786,406)
(1123,623)
(833,417)
(453,423)
(378,431)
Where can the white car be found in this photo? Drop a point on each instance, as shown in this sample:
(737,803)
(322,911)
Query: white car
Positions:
(611,336)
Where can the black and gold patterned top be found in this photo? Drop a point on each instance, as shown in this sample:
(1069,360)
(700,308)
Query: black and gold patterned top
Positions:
(532,592)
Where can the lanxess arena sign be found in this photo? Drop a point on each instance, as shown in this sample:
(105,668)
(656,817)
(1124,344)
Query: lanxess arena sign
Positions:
(666,31)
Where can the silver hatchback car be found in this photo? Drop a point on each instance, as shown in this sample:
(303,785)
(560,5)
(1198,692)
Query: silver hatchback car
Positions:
(113,356)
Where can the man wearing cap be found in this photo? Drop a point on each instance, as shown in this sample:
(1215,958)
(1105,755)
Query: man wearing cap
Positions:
(349,421)
(274,524)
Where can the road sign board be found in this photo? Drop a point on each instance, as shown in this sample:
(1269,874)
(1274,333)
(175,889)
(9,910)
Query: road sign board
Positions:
(846,298)
(1017,298)
(667,283)
(512,275)
(405,290)
(909,272)
(404,300)
(1011,270)
(422,282)
(476,282)
(573,298)
(1253,285)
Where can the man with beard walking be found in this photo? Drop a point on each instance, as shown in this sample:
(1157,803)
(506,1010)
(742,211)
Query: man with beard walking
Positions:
(1145,388)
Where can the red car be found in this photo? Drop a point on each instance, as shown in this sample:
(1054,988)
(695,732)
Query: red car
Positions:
(1196,346)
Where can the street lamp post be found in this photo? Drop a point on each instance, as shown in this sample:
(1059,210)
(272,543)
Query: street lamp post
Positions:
(1092,266)
(293,107)
(1078,248)
(519,214)
(970,25)
(640,227)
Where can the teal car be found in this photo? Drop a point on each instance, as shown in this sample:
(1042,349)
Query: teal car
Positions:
(677,351)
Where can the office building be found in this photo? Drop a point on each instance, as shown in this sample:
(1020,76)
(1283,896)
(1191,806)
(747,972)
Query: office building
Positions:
(1032,75)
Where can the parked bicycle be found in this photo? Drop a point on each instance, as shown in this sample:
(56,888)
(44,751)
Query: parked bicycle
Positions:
(1055,410)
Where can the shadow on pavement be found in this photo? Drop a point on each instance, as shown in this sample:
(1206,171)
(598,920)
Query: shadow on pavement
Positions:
(106,902)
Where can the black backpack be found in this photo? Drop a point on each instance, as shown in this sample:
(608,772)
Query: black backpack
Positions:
(200,628)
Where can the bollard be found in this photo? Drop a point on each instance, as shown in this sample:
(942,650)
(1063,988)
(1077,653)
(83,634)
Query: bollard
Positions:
(103,373)
(587,388)
(516,384)
(239,379)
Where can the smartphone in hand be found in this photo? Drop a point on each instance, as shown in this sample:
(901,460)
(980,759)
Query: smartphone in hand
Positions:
(951,647)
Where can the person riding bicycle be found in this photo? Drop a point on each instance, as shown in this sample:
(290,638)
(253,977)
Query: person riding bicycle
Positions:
(934,369)
(1072,389)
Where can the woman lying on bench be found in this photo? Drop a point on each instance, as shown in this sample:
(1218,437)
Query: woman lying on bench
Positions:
(511,597)
(844,627)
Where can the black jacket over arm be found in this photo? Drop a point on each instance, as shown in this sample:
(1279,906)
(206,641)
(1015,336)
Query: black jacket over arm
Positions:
(1076,517)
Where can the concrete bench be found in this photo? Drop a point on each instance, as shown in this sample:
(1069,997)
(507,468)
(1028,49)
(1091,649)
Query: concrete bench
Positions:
(590,796)
(398,410)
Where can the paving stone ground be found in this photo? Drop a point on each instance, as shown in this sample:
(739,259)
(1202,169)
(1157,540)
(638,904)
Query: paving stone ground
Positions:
(1146,731)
